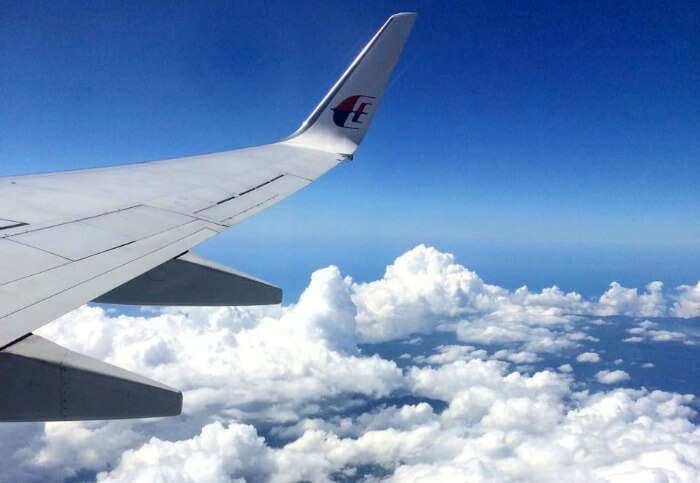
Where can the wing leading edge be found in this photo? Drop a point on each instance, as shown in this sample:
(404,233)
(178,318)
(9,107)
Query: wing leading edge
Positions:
(122,235)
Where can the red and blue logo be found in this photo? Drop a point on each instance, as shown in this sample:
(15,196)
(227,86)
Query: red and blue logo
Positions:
(348,113)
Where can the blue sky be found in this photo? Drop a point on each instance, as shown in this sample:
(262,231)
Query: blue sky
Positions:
(541,143)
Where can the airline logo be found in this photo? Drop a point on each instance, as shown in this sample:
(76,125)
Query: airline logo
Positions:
(348,113)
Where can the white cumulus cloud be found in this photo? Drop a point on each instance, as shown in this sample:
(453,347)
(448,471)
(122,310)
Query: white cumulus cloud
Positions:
(217,454)
(611,377)
(588,357)
(566,368)
(687,303)
(619,300)
(284,394)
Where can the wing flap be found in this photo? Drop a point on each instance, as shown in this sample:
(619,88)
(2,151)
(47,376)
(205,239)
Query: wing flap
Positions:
(73,241)
(83,238)
(137,222)
(43,381)
(30,302)
(33,261)
(195,281)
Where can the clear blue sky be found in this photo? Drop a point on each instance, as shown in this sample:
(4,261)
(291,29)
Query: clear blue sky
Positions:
(548,142)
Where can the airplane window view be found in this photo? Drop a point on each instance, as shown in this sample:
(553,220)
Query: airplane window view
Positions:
(384,242)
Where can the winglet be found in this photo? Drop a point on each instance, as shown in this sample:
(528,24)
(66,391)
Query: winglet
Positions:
(340,121)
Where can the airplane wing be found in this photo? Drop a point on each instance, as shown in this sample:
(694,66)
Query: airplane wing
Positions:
(122,234)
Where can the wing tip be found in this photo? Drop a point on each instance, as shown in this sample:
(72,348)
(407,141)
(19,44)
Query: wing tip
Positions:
(404,14)
(341,129)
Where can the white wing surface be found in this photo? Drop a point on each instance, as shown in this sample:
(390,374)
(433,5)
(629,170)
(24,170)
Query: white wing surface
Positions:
(121,235)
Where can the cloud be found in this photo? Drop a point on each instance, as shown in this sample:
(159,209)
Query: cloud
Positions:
(419,291)
(324,409)
(647,331)
(217,454)
(601,437)
(287,357)
(425,290)
(688,301)
(588,357)
(256,364)
(517,357)
(451,353)
(611,377)
(566,368)
(665,335)
(619,300)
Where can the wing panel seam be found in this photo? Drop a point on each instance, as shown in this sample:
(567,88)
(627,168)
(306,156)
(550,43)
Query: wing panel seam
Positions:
(106,271)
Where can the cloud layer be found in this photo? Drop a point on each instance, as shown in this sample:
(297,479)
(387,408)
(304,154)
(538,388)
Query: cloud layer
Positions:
(287,394)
